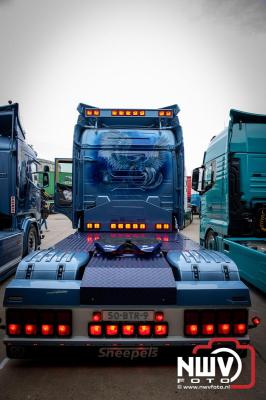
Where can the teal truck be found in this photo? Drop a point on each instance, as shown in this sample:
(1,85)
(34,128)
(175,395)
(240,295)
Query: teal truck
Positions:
(232,185)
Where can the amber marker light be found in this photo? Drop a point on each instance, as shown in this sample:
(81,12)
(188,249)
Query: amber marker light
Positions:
(142,226)
(92,113)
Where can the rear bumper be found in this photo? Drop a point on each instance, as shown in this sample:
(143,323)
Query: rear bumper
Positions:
(108,348)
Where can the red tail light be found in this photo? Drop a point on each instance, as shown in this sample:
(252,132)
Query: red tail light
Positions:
(63,330)
(256,321)
(224,329)
(208,329)
(160,329)
(111,330)
(97,316)
(159,316)
(240,329)
(192,329)
(47,330)
(191,323)
(144,330)
(30,329)
(95,330)
(14,329)
(128,330)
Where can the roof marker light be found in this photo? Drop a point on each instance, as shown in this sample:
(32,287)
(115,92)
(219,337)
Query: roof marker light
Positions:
(127,113)
(165,113)
(92,112)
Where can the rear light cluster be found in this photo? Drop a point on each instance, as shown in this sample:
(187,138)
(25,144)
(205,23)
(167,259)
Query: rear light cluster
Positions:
(128,329)
(216,323)
(127,226)
(99,328)
(39,323)
(93,225)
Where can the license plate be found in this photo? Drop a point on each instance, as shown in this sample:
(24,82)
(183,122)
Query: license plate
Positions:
(131,315)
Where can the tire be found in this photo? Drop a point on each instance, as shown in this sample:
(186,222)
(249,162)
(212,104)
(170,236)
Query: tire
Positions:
(31,241)
(210,241)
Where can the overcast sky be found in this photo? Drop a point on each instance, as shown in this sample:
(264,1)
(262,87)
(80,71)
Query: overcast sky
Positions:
(205,55)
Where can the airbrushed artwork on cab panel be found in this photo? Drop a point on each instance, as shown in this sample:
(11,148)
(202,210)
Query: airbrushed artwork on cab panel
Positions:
(129,160)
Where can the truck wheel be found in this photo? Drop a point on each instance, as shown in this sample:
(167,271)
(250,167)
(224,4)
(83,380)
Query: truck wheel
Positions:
(210,241)
(31,241)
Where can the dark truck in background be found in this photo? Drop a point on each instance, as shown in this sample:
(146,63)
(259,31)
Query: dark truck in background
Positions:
(20,200)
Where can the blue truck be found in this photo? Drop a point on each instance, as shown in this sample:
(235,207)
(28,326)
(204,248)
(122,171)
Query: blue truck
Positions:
(20,201)
(127,280)
(232,185)
(195,203)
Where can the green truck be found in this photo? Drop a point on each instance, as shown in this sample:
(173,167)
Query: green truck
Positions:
(232,185)
(65,178)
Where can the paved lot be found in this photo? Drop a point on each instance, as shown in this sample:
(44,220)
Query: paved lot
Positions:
(73,379)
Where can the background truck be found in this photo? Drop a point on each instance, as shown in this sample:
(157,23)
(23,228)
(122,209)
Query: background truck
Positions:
(20,197)
(232,184)
(195,203)
(65,178)
(126,280)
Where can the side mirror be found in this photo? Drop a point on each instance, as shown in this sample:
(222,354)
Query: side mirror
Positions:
(197,178)
(46,168)
(45,180)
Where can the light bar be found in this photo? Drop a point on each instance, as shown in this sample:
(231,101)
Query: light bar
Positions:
(127,226)
(92,112)
(128,113)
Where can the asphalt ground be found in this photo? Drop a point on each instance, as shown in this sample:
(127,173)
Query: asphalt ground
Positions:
(88,378)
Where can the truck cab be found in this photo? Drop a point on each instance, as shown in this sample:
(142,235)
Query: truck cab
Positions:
(232,185)
(127,278)
(131,172)
(20,200)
